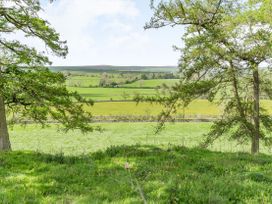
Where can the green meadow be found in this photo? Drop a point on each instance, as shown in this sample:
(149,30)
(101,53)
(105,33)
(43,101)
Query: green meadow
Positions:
(52,141)
(127,163)
(109,94)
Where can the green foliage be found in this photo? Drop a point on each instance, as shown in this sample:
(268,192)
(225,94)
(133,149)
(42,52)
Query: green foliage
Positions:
(228,46)
(29,89)
(172,175)
(152,83)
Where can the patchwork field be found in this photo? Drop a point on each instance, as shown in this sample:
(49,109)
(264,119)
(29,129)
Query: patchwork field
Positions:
(118,101)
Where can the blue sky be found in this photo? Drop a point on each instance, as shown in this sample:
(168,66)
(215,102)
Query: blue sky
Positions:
(111,32)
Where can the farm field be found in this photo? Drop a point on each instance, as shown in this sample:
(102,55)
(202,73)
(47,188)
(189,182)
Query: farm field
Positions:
(109,94)
(197,108)
(119,101)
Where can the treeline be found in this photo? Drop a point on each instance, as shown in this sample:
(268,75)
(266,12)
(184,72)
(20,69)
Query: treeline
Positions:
(109,81)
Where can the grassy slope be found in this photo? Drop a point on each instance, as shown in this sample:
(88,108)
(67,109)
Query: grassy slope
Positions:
(173,175)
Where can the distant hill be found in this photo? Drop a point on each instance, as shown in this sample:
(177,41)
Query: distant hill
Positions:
(109,68)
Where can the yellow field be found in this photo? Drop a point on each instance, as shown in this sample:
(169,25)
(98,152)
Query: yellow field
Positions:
(196,108)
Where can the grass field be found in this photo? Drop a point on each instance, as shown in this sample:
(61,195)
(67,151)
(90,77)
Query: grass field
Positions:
(50,140)
(197,108)
(111,93)
(76,168)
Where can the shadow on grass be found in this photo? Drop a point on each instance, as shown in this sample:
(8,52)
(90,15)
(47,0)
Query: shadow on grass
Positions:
(173,175)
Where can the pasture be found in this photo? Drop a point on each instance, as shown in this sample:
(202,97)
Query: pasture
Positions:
(52,141)
(110,94)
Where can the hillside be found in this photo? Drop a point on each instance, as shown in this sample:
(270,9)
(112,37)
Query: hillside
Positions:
(109,68)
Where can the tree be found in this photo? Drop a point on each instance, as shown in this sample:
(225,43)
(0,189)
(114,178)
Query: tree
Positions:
(28,89)
(226,58)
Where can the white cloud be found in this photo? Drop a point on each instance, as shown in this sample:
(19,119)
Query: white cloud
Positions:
(78,22)
(107,32)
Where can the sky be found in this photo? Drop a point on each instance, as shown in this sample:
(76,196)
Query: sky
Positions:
(110,32)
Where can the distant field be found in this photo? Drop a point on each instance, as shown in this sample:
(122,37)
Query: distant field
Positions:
(108,68)
(110,98)
(197,108)
(151,83)
(111,93)
(91,80)
(83,81)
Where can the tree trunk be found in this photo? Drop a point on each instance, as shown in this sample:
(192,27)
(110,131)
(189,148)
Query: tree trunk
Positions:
(4,136)
(256,113)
